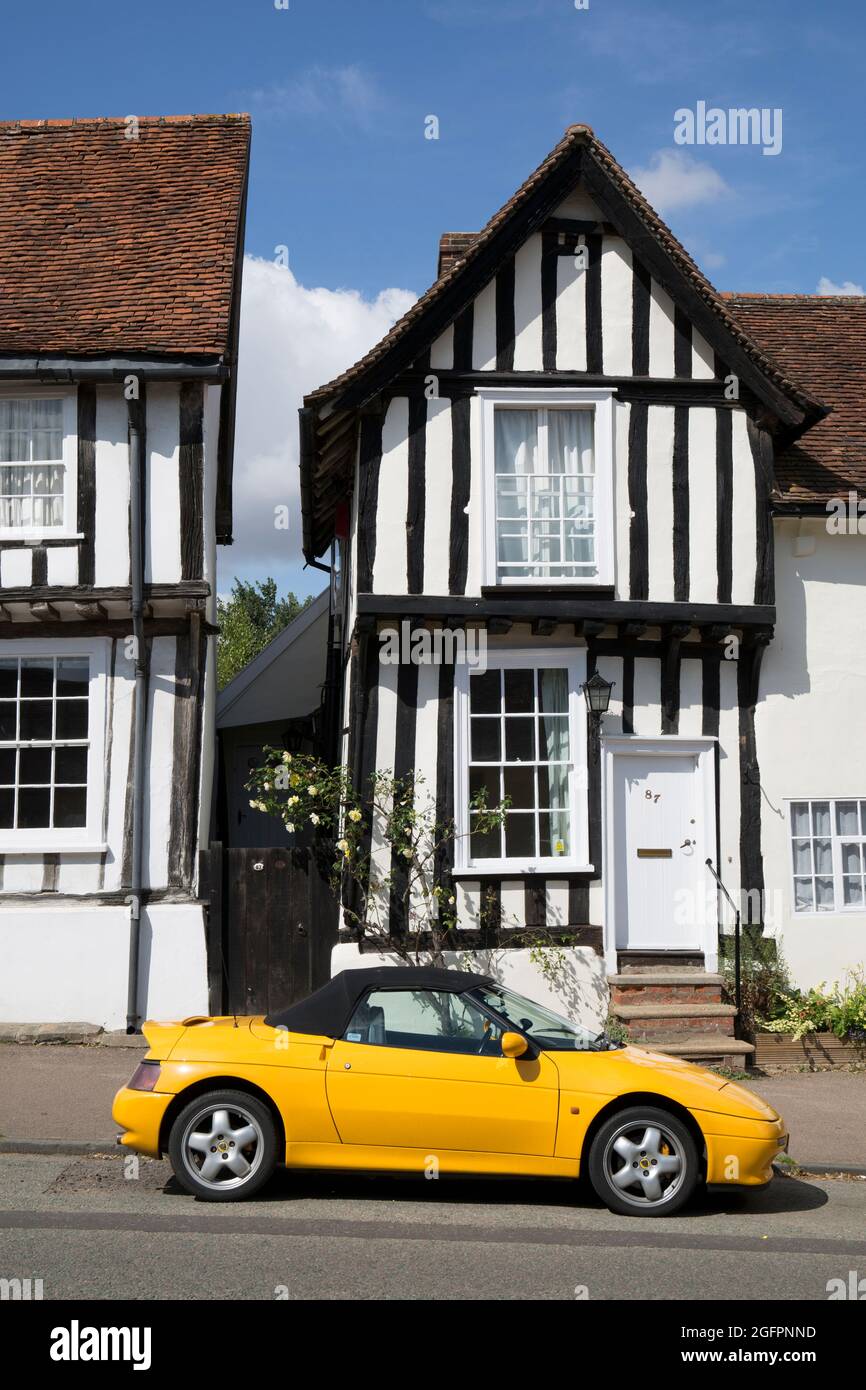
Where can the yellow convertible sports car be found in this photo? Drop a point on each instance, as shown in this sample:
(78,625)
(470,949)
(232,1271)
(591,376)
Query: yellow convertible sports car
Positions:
(425,1070)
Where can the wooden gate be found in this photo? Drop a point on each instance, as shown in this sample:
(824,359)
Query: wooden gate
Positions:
(272,922)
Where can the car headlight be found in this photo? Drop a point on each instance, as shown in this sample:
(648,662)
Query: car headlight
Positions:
(145,1076)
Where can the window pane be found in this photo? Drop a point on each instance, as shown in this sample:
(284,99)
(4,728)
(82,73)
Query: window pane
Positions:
(37,676)
(512,548)
(486,744)
(72,719)
(35,766)
(484,693)
(487,845)
(516,440)
(553,787)
(520,786)
(7,767)
(823,857)
(519,739)
(847,821)
(429,1019)
(850,859)
(511,498)
(34,808)
(482,781)
(545,499)
(36,719)
(569,441)
(7,719)
(7,809)
(73,674)
(824,894)
(853,891)
(519,692)
(800,818)
(70,765)
(803,900)
(554,832)
(803,857)
(70,807)
(519,835)
(8,678)
(820,818)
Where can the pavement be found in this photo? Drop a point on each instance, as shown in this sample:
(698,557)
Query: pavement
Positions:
(65,1094)
(113,1228)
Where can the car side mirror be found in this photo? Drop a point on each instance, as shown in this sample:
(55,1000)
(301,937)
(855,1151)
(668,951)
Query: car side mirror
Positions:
(514,1045)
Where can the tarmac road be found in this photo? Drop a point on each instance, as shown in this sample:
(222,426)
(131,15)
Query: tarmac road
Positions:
(90,1232)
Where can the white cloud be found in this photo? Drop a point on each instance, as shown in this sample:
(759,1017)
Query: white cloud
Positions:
(292,340)
(826,286)
(321,92)
(674,179)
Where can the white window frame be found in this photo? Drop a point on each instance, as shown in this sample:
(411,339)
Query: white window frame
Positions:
(840,908)
(87,838)
(600,402)
(572,660)
(68,530)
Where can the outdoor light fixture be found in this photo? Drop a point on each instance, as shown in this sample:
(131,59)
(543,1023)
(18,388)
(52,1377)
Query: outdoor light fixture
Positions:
(596,692)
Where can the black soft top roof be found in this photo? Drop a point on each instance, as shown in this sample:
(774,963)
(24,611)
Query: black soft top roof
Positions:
(327,1012)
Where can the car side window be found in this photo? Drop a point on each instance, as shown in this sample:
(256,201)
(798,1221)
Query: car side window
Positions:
(426,1019)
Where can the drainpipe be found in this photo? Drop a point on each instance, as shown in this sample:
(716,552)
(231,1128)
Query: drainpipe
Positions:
(136,474)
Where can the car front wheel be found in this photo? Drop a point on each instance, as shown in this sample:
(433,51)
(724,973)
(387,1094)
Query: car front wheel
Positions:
(223,1146)
(644,1162)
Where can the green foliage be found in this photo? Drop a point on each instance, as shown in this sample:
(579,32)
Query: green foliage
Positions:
(765,983)
(248,620)
(616,1030)
(839,1009)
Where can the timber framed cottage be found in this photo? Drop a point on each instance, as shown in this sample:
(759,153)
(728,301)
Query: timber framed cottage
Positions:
(120,263)
(574,442)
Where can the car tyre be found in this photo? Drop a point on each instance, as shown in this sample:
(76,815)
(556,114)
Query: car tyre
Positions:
(223,1146)
(644,1162)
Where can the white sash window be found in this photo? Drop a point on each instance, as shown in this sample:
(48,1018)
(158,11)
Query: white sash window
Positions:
(828,855)
(37,464)
(548,487)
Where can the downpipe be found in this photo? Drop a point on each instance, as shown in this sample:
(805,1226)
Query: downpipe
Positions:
(136,517)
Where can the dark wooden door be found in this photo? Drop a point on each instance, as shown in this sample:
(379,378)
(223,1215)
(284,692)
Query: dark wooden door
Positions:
(272,925)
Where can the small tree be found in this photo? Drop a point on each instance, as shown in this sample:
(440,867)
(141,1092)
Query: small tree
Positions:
(409,909)
(248,620)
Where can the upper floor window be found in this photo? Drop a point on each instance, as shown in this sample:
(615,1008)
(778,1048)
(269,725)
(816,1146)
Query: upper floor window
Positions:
(548,487)
(36,464)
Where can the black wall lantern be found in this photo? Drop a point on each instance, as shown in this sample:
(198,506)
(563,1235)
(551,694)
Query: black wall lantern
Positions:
(596,692)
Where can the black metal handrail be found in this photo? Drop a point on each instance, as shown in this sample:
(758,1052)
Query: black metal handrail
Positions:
(736,912)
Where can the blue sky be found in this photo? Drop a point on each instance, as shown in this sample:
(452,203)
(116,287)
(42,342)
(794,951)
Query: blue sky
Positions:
(343,176)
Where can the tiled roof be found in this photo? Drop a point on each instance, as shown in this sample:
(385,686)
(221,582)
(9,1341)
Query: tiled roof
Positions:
(112,245)
(820,340)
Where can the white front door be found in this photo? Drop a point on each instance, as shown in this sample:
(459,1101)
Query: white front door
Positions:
(661,832)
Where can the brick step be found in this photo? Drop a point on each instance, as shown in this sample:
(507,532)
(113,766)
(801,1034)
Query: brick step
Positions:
(702,1047)
(666,987)
(659,960)
(650,1021)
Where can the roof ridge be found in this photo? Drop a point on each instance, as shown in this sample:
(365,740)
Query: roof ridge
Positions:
(800,295)
(78,122)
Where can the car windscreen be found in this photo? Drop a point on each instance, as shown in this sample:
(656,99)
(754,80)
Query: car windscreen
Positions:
(549,1030)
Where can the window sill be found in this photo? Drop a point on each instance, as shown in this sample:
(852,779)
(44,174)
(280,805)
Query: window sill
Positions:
(49,847)
(41,537)
(558,868)
(536,586)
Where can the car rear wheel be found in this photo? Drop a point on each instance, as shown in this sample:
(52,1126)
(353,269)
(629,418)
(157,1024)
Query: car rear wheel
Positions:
(223,1146)
(644,1162)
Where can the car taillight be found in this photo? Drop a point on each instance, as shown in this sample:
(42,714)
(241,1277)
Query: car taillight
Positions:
(145,1076)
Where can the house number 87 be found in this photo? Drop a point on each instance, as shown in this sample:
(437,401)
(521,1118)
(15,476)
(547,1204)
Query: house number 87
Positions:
(652,796)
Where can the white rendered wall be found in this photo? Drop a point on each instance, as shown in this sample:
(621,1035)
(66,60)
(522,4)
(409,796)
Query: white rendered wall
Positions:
(88,948)
(809,726)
